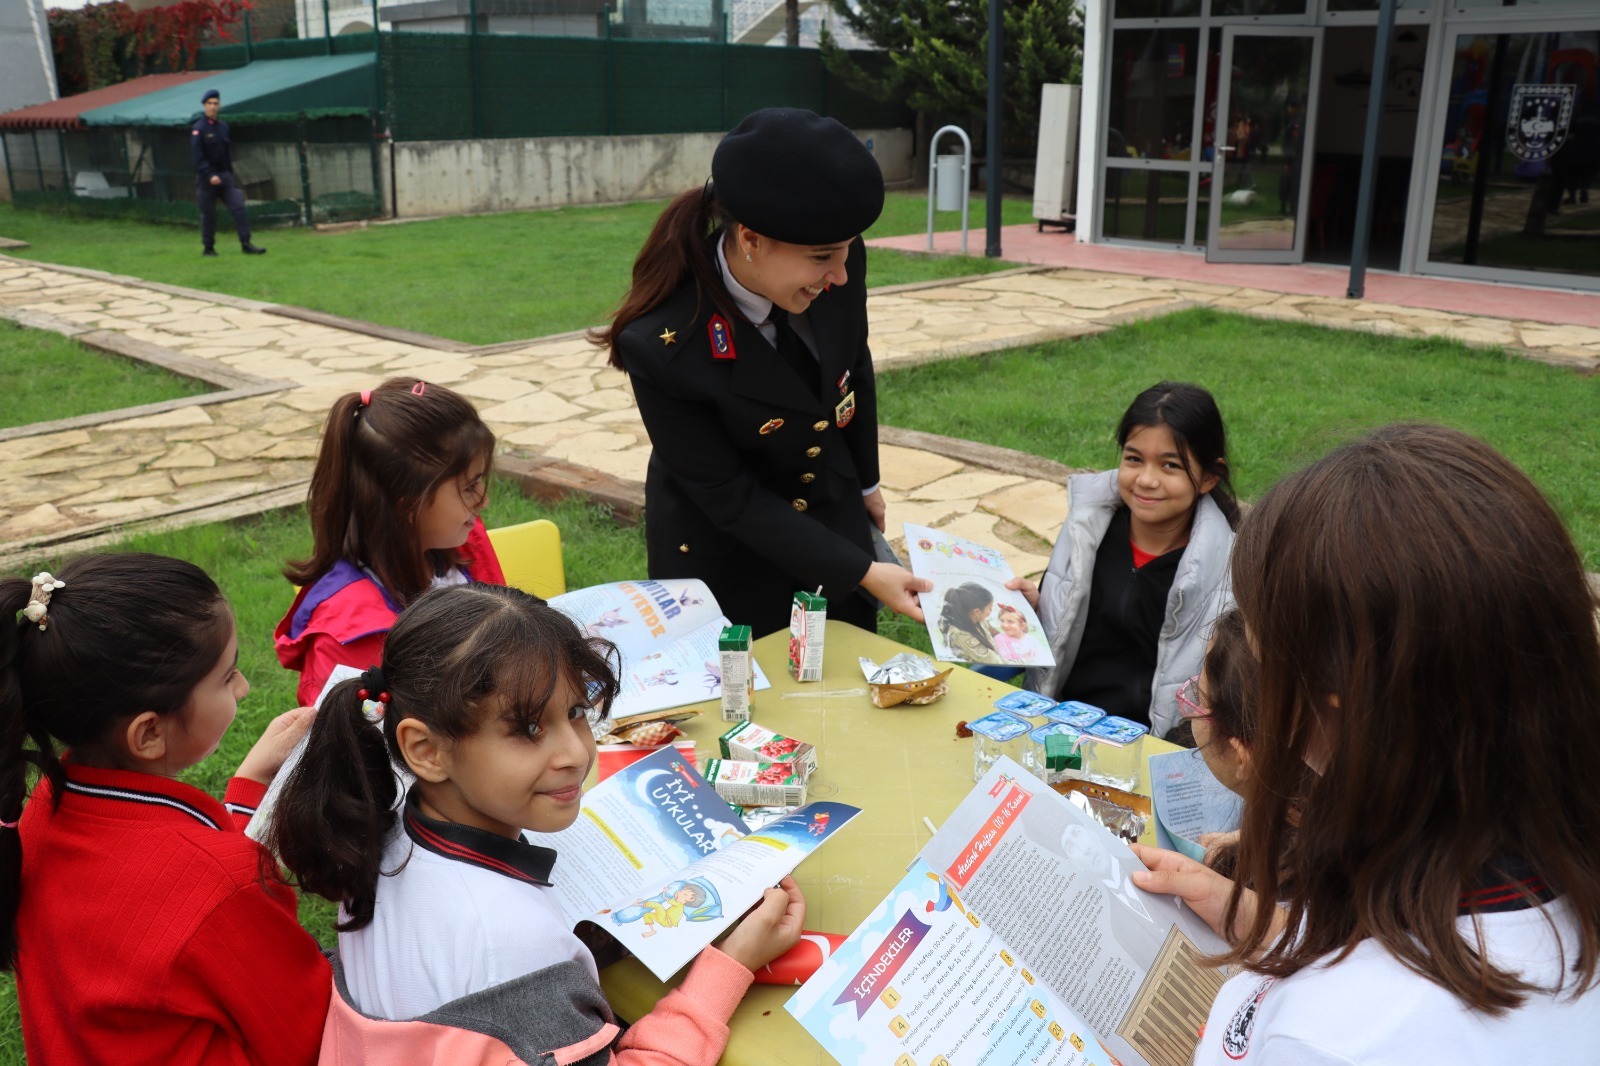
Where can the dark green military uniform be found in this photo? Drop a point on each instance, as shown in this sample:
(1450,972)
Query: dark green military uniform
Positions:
(755,481)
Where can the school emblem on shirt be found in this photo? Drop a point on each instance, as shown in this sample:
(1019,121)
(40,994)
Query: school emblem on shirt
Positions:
(721,335)
(844,383)
(845,411)
(1236,1037)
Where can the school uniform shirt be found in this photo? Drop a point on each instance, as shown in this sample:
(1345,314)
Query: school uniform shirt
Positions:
(343,617)
(468,959)
(1368,1009)
(146,934)
(756,471)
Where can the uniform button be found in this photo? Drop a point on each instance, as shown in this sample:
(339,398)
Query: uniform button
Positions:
(800,505)
(806,479)
(819,426)
(684,548)
(813,451)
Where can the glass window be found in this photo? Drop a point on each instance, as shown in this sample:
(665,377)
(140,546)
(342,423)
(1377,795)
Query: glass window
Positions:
(1151,109)
(1157,9)
(1145,205)
(1372,5)
(1258,7)
(1519,158)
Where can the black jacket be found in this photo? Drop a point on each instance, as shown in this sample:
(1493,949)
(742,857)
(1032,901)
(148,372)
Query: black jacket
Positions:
(753,485)
(209,144)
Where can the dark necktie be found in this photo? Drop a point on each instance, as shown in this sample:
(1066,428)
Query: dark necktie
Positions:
(795,352)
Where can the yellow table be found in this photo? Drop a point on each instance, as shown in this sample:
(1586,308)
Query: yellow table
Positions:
(898,764)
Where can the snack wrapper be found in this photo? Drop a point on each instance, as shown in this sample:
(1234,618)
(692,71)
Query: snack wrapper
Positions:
(905,678)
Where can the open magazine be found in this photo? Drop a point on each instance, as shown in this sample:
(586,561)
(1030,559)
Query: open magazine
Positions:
(1188,801)
(663,864)
(970,578)
(667,634)
(1017,937)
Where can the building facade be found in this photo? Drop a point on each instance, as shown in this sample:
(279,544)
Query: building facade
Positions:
(1236,128)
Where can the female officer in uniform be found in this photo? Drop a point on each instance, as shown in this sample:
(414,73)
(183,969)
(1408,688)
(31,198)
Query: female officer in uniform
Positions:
(745,336)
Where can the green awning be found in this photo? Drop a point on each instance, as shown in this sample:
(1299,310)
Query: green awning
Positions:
(316,83)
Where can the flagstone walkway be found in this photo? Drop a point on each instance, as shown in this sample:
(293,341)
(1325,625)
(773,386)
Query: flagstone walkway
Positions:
(553,403)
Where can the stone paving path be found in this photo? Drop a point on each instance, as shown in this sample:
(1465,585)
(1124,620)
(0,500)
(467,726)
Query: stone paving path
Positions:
(249,447)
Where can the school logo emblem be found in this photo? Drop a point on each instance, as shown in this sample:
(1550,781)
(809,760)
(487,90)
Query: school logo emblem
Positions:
(721,335)
(846,410)
(1236,1037)
(1537,124)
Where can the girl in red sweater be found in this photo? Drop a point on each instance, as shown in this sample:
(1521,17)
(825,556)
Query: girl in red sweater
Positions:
(401,476)
(448,922)
(141,922)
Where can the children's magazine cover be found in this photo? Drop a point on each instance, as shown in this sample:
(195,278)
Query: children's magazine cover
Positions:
(666,632)
(665,866)
(1047,919)
(972,616)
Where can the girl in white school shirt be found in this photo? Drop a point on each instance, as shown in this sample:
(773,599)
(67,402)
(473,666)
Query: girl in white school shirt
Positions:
(1430,710)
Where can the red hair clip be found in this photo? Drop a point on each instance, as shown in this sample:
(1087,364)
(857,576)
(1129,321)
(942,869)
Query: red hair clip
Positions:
(382,697)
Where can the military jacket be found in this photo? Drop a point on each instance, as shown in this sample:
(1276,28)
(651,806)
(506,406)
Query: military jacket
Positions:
(754,483)
(210,148)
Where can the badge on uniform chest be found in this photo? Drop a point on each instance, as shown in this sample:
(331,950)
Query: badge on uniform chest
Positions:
(844,383)
(846,410)
(721,336)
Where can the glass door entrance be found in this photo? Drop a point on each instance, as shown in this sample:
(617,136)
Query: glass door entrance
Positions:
(1266,106)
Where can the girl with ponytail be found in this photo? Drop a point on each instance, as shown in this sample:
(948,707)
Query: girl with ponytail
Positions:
(744,336)
(447,920)
(401,477)
(140,921)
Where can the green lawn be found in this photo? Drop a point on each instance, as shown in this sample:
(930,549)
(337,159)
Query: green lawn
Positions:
(481,279)
(1288,392)
(45,376)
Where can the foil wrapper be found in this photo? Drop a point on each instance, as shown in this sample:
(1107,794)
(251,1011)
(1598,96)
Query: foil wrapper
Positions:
(905,678)
(907,666)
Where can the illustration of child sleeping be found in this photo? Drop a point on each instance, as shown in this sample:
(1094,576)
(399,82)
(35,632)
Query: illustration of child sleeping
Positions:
(694,900)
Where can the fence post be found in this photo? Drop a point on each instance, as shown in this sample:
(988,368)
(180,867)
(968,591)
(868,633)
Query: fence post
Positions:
(327,29)
(611,91)
(305,168)
(472,67)
(377,177)
(247,55)
(38,158)
(61,150)
(5,150)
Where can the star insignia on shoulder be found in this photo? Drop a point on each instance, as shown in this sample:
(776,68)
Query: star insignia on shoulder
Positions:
(669,336)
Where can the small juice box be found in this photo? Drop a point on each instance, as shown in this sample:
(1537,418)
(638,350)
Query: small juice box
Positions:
(753,743)
(758,784)
(738,679)
(995,735)
(806,624)
(1052,749)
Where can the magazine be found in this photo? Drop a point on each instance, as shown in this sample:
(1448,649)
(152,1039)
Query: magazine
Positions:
(1188,801)
(666,633)
(664,865)
(970,578)
(1017,937)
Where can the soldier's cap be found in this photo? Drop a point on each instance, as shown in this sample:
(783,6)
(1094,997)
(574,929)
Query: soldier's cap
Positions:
(795,176)
(211,94)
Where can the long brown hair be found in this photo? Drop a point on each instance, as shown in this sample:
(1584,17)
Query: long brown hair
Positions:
(676,251)
(379,463)
(1426,635)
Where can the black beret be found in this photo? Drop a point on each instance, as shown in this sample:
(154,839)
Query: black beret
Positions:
(209,94)
(794,176)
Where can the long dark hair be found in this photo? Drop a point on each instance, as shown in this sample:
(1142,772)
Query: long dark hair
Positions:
(455,656)
(676,251)
(960,602)
(1426,634)
(1231,674)
(1190,413)
(126,634)
(379,463)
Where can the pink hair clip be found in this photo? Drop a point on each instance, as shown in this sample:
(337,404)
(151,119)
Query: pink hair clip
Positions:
(366,397)
(11,825)
(419,388)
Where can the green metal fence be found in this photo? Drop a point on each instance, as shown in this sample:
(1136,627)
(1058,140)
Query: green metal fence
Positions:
(294,169)
(459,86)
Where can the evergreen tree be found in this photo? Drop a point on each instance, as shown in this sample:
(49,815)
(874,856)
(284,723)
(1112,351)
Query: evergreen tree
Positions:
(938,55)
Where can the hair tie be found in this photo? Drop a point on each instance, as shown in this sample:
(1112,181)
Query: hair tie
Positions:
(419,388)
(373,686)
(366,397)
(11,825)
(38,608)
